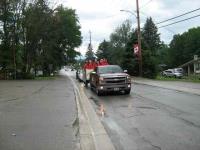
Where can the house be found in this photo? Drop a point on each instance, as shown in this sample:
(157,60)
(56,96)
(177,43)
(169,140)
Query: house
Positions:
(192,66)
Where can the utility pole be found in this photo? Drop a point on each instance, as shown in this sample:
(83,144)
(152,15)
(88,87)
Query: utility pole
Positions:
(90,44)
(89,53)
(139,38)
(90,36)
(14,62)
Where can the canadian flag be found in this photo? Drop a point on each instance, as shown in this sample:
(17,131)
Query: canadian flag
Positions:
(136,49)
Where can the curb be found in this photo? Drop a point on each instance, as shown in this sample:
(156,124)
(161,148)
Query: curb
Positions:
(92,133)
(180,89)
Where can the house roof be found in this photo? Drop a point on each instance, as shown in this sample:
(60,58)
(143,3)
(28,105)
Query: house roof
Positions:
(189,63)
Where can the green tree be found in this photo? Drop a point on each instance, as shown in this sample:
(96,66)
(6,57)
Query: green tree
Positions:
(149,64)
(10,13)
(150,37)
(67,35)
(163,58)
(184,46)
(130,60)
(89,54)
(118,41)
(103,50)
(71,55)
(33,36)
(37,33)
(150,45)
(53,38)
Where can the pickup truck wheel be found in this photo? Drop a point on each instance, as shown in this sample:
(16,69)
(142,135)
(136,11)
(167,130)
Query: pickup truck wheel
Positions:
(91,87)
(127,91)
(99,93)
(86,83)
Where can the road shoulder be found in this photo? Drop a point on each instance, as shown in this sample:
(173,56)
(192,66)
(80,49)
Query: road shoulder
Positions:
(92,133)
(192,88)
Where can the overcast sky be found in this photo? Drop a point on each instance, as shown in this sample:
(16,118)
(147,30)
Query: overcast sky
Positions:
(103,16)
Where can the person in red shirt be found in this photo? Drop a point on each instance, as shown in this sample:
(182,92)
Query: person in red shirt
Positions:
(105,62)
(91,65)
(85,66)
(101,62)
(96,63)
(88,67)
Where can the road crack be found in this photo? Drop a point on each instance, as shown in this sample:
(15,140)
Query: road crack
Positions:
(26,96)
(173,112)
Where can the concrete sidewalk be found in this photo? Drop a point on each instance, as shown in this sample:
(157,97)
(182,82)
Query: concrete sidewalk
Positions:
(193,88)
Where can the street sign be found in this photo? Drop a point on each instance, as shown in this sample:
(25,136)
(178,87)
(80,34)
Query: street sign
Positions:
(136,49)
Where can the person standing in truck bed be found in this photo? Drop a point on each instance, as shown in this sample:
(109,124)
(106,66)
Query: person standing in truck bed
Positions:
(103,62)
(88,67)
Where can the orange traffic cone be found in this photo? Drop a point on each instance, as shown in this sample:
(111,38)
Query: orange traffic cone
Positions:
(102,110)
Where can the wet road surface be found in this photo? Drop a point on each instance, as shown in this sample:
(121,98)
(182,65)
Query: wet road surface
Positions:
(150,118)
(37,115)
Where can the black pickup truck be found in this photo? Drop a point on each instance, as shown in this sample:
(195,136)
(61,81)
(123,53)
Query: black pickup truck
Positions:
(110,78)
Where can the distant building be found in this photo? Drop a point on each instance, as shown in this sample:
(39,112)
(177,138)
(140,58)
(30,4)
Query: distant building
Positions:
(192,66)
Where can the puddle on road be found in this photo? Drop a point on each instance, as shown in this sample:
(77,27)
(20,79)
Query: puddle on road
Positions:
(19,86)
(100,109)
(146,107)
(129,105)
(123,106)
(95,101)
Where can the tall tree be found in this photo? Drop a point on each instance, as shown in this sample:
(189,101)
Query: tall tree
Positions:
(163,56)
(10,12)
(67,35)
(130,60)
(89,54)
(35,37)
(37,32)
(103,50)
(54,34)
(118,41)
(5,20)
(150,37)
(184,46)
(150,46)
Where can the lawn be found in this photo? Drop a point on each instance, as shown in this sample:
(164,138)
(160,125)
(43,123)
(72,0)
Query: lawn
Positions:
(45,78)
(191,78)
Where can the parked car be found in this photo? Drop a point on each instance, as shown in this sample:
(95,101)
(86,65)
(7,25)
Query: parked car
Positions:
(180,70)
(110,78)
(79,75)
(176,72)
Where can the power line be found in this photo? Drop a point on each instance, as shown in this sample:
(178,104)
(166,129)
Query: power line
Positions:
(179,21)
(178,16)
(169,30)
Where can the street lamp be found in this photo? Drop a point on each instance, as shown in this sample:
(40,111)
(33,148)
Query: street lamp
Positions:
(128,11)
(138,35)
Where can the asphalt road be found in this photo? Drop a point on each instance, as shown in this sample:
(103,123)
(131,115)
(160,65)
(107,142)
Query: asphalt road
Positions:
(150,118)
(37,115)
